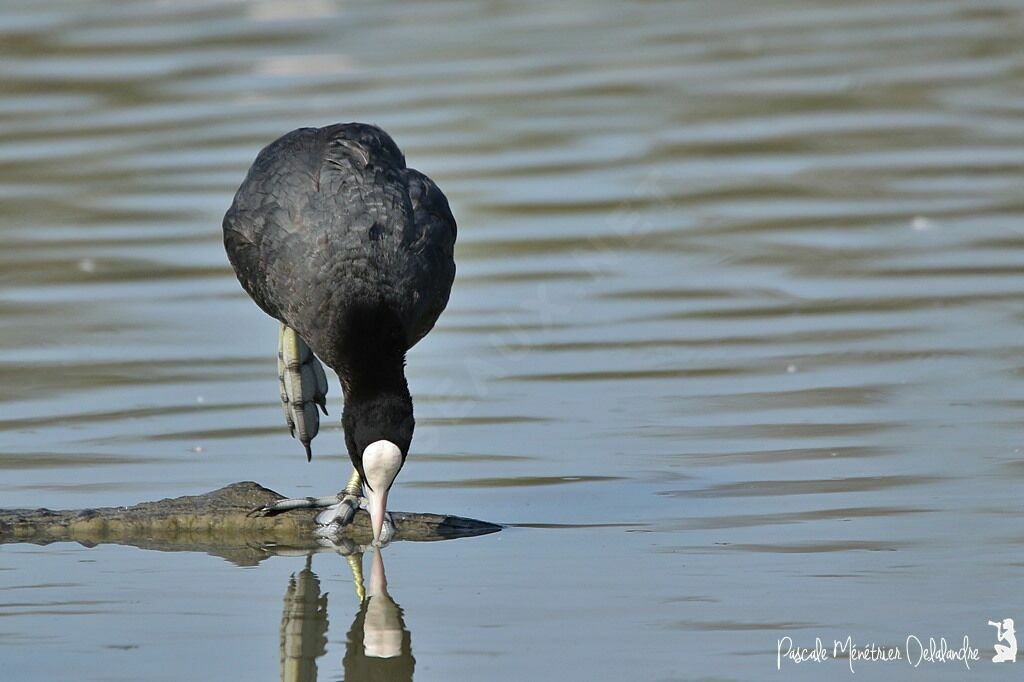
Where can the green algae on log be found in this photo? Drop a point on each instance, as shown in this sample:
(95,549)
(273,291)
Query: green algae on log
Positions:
(217,519)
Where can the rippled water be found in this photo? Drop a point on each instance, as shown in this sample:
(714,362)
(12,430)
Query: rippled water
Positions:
(735,343)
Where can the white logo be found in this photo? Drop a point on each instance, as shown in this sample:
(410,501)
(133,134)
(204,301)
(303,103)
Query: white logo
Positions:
(1004,633)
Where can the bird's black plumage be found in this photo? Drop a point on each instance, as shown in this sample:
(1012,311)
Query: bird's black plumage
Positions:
(334,236)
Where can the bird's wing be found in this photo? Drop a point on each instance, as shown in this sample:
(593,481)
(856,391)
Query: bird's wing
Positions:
(265,215)
(241,241)
(433,246)
(431,211)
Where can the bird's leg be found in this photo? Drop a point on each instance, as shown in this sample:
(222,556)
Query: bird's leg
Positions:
(355,562)
(303,385)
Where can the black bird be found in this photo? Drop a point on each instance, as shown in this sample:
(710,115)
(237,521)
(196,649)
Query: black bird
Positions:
(332,235)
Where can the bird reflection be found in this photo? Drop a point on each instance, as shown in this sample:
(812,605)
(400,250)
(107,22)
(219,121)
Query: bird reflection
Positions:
(378,645)
(303,626)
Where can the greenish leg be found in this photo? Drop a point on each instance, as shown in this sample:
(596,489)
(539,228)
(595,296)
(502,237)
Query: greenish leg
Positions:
(354,487)
(355,562)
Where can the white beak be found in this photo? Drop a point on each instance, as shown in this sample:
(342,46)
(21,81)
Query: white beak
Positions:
(381,461)
(378,505)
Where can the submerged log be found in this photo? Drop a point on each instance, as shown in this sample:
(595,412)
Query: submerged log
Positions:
(216,522)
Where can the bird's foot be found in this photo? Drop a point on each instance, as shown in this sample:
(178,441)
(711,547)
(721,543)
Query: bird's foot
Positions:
(339,514)
(289,504)
(331,520)
(346,547)
(303,386)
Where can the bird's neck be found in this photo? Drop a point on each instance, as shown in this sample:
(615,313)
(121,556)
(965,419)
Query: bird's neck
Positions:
(371,354)
(374,376)
(373,369)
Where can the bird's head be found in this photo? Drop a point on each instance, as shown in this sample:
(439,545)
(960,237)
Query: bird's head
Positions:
(378,432)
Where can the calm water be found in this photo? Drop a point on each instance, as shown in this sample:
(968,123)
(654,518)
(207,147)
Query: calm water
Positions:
(735,344)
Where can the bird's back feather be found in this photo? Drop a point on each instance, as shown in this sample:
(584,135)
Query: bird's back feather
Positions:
(329,223)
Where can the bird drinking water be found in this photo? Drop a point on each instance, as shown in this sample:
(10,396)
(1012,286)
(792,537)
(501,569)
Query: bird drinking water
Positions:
(352,252)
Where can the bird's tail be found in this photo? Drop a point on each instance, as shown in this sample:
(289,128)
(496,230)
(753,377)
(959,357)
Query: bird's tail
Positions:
(303,386)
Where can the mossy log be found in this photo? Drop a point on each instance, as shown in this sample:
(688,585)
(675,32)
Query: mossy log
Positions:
(216,522)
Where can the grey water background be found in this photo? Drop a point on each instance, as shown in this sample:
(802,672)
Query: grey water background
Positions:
(735,343)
